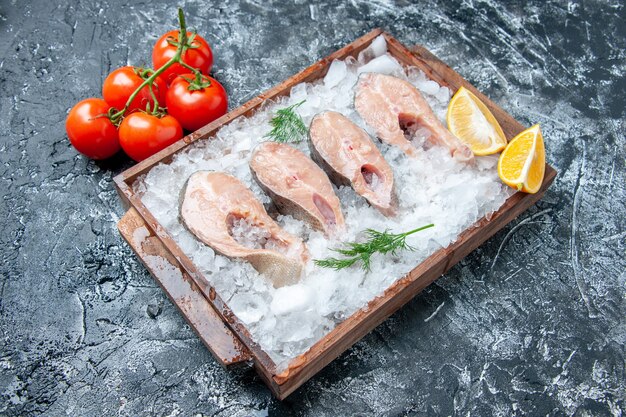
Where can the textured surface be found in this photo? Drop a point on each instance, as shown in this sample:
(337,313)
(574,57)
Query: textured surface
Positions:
(532,322)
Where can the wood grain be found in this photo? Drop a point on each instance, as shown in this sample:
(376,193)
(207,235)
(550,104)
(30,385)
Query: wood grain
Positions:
(363,321)
(182,291)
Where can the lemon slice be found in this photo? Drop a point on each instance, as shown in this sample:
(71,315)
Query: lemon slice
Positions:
(523,162)
(471,121)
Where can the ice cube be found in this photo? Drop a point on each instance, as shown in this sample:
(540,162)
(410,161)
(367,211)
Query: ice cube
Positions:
(292,298)
(377,48)
(416,75)
(384,64)
(429,87)
(336,73)
(249,307)
(298,93)
(243,144)
(443,95)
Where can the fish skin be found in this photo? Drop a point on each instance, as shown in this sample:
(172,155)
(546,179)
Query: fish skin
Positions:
(295,183)
(381,100)
(330,129)
(209,198)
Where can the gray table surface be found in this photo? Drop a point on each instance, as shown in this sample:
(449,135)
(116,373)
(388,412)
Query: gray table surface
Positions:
(530,323)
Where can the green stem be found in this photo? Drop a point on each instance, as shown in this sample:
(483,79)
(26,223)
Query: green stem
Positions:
(182,36)
(182,46)
(189,67)
(147,81)
(377,242)
(410,232)
(155,108)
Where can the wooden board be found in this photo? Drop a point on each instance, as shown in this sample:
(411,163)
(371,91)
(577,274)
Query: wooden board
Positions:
(182,291)
(363,321)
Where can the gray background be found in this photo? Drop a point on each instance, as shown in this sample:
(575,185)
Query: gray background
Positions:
(530,323)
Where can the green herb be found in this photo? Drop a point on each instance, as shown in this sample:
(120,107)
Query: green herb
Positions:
(287,125)
(377,242)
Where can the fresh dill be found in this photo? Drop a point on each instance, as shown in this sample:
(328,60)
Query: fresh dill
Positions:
(287,125)
(376,242)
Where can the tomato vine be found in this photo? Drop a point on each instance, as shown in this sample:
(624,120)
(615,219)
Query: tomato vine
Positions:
(183,43)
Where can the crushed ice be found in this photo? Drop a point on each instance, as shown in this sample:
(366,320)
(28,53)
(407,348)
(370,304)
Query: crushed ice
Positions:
(248,234)
(432,189)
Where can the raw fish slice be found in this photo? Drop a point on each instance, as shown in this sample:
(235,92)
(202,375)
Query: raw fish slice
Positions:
(297,186)
(222,213)
(399,113)
(347,154)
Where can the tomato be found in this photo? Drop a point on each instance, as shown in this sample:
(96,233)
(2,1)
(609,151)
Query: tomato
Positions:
(143,135)
(200,58)
(122,82)
(90,131)
(196,108)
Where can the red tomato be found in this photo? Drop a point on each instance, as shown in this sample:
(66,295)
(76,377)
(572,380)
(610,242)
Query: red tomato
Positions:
(122,82)
(90,131)
(143,135)
(196,108)
(200,58)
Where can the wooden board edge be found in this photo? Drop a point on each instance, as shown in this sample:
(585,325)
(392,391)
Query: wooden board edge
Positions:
(168,273)
(262,360)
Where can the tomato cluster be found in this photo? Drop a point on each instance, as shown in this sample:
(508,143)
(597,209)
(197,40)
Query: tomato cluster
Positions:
(181,96)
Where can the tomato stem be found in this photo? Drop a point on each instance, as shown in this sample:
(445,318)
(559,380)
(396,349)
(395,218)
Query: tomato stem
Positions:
(189,67)
(200,82)
(156,102)
(184,43)
(183,26)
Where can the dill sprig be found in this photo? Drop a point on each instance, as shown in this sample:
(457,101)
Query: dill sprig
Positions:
(376,242)
(287,125)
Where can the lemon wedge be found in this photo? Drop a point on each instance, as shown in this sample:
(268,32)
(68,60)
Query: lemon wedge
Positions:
(522,165)
(470,120)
